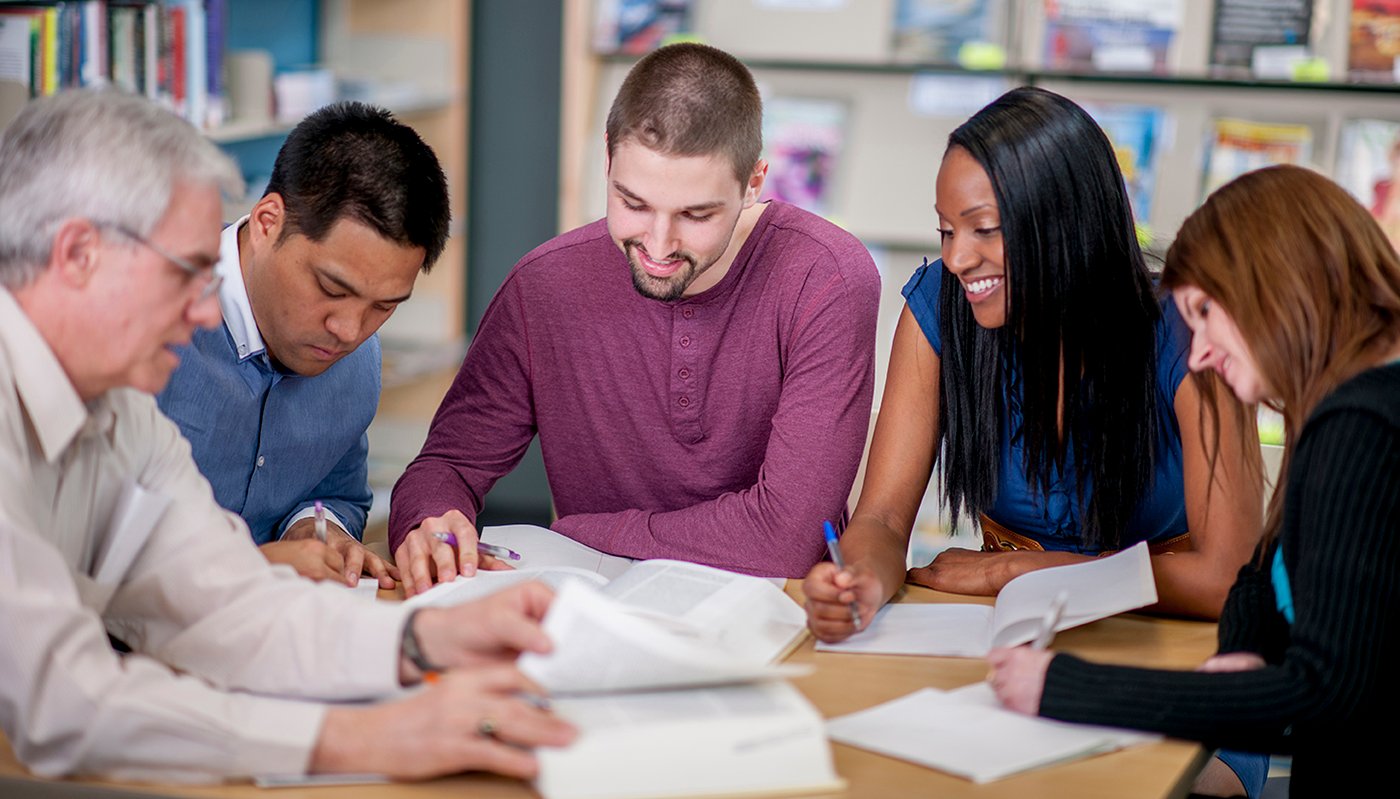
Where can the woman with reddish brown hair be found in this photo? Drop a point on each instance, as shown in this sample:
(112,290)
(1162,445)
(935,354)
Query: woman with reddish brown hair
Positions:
(1292,293)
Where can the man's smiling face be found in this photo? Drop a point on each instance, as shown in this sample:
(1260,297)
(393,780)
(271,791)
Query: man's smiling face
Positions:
(674,217)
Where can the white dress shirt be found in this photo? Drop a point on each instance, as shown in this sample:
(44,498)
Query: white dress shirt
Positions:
(211,622)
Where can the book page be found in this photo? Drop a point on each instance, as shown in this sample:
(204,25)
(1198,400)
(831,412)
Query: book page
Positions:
(543,548)
(1096,589)
(967,733)
(747,616)
(943,630)
(486,583)
(601,645)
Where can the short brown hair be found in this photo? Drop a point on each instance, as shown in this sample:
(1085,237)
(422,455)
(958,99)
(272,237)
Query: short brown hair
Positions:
(690,99)
(1308,278)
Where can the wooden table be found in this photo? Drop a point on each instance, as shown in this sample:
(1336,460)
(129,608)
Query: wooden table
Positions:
(841,684)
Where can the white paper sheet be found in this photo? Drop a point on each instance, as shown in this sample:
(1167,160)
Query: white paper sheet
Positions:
(937,630)
(967,733)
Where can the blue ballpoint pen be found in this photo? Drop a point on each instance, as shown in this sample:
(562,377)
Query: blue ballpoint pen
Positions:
(320,522)
(834,548)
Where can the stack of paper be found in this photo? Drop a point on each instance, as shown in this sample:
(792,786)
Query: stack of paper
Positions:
(757,738)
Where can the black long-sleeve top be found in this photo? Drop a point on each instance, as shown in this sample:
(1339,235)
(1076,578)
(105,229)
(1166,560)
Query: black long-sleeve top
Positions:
(1325,695)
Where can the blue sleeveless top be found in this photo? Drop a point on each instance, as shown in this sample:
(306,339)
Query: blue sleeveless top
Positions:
(1053,519)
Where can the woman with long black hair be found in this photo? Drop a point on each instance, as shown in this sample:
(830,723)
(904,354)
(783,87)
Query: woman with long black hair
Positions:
(1036,367)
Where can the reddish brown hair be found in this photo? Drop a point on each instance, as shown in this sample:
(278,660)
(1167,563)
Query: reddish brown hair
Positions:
(1308,278)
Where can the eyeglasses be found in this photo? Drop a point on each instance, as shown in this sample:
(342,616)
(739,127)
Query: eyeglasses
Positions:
(212,280)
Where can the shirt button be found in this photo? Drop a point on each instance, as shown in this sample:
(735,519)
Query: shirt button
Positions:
(685,341)
(684,402)
(688,312)
(684,373)
(261,461)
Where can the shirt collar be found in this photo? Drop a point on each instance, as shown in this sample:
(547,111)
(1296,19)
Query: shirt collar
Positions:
(233,296)
(52,404)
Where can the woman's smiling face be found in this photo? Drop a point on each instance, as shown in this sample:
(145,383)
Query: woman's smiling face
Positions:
(969,225)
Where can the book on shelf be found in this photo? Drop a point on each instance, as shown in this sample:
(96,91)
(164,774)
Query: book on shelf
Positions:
(1374,53)
(966,732)
(1237,146)
(42,51)
(634,27)
(1137,133)
(803,138)
(1110,35)
(936,31)
(1093,590)
(1240,27)
(16,64)
(1368,166)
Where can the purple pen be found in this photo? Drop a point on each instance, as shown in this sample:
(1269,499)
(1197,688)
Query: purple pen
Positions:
(500,553)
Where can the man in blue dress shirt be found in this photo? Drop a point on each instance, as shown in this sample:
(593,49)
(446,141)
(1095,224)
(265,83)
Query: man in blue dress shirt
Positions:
(276,400)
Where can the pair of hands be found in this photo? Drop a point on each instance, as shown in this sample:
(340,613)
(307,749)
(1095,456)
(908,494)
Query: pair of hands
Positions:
(830,591)
(341,559)
(424,560)
(475,716)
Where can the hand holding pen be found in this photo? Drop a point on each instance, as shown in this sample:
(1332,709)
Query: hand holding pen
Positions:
(833,547)
(1017,674)
(436,551)
(482,548)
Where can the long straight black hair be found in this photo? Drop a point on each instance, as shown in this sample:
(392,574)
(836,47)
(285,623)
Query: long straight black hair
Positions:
(1081,313)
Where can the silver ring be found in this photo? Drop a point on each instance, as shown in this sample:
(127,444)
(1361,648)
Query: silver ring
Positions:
(487,727)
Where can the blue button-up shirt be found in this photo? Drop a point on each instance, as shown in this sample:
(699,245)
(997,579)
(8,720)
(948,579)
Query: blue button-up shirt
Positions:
(270,442)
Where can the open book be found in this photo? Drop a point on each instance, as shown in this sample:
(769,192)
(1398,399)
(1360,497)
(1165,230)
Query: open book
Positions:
(1095,589)
(968,733)
(618,625)
(665,624)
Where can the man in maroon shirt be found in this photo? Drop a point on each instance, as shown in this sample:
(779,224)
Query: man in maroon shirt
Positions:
(699,366)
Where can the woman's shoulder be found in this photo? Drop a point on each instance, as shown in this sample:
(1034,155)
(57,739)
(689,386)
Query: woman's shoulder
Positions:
(1374,391)
(925,283)
(1173,348)
(921,294)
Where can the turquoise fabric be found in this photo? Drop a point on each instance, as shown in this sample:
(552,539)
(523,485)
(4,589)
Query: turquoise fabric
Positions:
(1283,591)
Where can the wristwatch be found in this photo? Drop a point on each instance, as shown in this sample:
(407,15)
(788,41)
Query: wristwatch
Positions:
(411,649)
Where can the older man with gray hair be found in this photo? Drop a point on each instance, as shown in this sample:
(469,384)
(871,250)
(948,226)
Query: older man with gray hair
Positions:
(109,229)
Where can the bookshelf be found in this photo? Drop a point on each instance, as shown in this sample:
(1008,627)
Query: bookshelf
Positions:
(901,107)
(406,55)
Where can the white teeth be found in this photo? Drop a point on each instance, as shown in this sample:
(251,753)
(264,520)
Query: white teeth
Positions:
(985,284)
